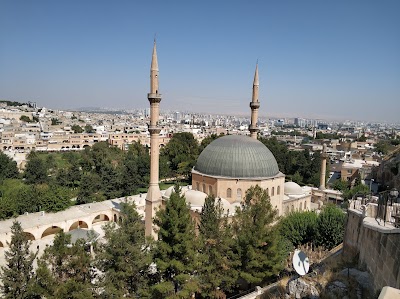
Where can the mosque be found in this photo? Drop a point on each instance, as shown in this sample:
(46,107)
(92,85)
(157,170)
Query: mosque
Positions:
(226,168)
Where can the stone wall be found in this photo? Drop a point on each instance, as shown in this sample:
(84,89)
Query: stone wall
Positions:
(376,246)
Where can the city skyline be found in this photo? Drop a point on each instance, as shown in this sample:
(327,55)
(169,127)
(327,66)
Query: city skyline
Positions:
(329,61)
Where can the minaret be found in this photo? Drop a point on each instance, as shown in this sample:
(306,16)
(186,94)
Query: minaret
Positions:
(323,169)
(153,198)
(254,105)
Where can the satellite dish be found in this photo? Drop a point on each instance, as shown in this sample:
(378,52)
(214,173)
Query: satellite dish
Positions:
(300,262)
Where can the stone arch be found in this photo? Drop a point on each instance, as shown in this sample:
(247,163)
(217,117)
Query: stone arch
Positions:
(52,230)
(229,193)
(100,218)
(78,224)
(29,236)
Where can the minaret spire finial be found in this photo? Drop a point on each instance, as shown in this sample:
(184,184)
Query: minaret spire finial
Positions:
(254,105)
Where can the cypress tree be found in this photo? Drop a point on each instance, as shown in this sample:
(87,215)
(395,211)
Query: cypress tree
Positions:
(16,276)
(124,258)
(175,251)
(65,270)
(217,273)
(257,242)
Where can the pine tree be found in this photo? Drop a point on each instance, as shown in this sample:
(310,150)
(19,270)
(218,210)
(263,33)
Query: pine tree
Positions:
(257,241)
(217,272)
(124,258)
(175,251)
(65,270)
(16,276)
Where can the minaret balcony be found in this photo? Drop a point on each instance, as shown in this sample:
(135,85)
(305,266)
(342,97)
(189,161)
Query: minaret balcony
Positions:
(254,105)
(154,129)
(253,129)
(154,97)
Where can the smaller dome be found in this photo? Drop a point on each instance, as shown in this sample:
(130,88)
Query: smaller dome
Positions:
(168,192)
(226,205)
(291,188)
(195,198)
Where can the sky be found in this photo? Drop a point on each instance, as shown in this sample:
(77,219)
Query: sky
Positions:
(317,59)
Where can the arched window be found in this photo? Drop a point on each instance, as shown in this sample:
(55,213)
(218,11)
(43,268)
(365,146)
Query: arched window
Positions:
(198,186)
(278,191)
(273,191)
(305,205)
(229,193)
(267,190)
(210,190)
(204,188)
(301,206)
(239,194)
(287,210)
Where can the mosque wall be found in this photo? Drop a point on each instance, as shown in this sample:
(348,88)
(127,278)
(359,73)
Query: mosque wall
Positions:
(234,190)
(377,249)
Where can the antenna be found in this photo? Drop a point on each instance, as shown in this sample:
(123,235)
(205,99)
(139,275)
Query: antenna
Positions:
(300,262)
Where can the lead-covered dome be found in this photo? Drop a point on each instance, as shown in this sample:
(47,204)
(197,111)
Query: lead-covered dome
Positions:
(236,156)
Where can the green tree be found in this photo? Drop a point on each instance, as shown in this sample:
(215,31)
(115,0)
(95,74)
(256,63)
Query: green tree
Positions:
(124,258)
(182,152)
(17,274)
(89,129)
(90,189)
(217,273)
(299,227)
(65,270)
(77,129)
(25,118)
(55,121)
(257,241)
(175,251)
(330,227)
(8,169)
(36,170)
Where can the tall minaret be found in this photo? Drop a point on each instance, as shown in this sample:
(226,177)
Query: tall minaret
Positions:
(153,198)
(254,105)
(322,177)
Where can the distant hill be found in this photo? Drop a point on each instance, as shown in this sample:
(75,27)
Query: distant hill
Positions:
(12,103)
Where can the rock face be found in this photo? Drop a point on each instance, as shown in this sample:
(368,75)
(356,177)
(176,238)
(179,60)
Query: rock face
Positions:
(299,288)
(363,278)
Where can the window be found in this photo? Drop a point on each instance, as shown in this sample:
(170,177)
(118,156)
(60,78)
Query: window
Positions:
(239,194)
(198,186)
(267,190)
(278,191)
(273,191)
(229,193)
(210,190)
(204,188)
(301,206)
(305,205)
